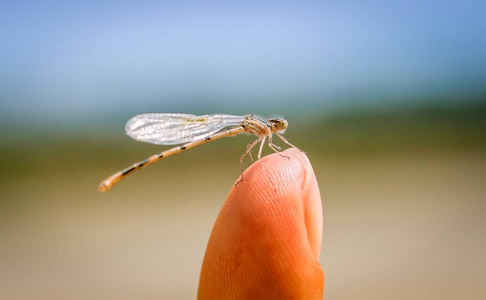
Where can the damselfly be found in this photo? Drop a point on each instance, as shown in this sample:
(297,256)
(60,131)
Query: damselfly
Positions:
(192,131)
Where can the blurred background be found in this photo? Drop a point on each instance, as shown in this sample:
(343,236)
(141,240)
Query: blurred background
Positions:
(387,97)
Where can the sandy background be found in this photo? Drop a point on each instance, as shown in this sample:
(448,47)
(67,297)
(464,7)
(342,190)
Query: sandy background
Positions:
(406,221)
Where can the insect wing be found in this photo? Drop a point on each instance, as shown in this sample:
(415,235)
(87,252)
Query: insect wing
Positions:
(174,128)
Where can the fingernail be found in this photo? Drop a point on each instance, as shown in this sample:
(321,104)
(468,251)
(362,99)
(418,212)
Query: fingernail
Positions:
(312,204)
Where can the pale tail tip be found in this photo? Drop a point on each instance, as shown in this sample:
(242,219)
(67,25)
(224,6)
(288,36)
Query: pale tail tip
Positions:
(102,187)
(109,182)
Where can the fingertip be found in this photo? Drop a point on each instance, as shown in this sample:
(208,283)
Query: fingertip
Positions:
(268,230)
(287,175)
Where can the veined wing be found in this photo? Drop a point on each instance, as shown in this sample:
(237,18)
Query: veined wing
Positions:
(174,128)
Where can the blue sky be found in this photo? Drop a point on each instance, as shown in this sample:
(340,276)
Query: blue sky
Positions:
(72,61)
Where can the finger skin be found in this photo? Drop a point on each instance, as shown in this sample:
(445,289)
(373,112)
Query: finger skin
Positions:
(266,241)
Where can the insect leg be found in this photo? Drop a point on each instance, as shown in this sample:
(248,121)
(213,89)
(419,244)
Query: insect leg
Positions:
(276,148)
(287,142)
(248,151)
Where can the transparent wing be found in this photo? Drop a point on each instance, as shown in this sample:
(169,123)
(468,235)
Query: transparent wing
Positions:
(173,128)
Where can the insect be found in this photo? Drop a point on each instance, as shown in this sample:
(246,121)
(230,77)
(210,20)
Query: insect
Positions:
(191,131)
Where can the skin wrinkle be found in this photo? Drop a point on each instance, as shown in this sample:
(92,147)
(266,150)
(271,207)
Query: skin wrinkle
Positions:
(291,174)
(236,255)
(288,174)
